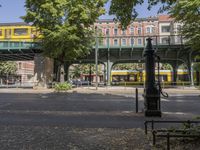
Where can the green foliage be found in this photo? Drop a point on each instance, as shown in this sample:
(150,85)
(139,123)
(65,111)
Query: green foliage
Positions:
(166,67)
(182,66)
(8,67)
(128,66)
(197,118)
(197,66)
(65,25)
(125,11)
(62,86)
(188,12)
(77,69)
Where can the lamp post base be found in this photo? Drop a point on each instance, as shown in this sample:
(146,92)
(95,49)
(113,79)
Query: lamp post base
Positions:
(153,113)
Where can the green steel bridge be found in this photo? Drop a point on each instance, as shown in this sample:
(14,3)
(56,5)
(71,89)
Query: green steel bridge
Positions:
(112,50)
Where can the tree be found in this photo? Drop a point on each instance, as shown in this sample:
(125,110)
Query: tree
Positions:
(127,66)
(8,68)
(66,26)
(125,12)
(188,12)
(77,69)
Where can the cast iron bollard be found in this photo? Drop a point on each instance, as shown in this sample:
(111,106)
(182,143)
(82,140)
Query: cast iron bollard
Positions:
(136,100)
(151,91)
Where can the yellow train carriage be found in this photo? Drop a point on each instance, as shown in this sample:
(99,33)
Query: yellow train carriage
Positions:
(139,76)
(17,32)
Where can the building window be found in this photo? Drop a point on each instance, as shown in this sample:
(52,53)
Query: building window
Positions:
(115,42)
(107,31)
(115,31)
(132,30)
(123,32)
(132,42)
(139,41)
(165,40)
(0,32)
(22,31)
(123,42)
(178,39)
(148,30)
(139,31)
(165,28)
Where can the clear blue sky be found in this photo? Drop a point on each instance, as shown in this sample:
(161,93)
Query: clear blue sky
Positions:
(11,10)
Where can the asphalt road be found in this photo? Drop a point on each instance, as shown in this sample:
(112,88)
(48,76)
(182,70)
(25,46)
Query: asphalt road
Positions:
(92,110)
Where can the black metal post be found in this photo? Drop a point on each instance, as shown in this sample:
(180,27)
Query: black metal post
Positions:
(136,100)
(145,125)
(151,91)
(168,144)
(154,137)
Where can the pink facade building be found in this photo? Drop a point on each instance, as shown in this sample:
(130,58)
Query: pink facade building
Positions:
(159,28)
(25,71)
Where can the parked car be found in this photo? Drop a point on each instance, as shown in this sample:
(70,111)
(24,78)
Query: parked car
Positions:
(78,82)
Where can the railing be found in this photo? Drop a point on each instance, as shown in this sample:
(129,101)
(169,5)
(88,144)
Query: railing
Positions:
(189,129)
(138,41)
(18,85)
(17,45)
(103,42)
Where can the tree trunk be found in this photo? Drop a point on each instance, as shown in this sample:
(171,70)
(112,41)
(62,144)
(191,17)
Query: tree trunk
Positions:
(62,73)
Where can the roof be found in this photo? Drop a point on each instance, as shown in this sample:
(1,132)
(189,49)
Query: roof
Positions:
(164,18)
(15,24)
(137,19)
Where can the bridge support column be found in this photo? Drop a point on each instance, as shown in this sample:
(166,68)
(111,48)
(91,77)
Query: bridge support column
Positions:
(108,65)
(190,73)
(190,69)
(43,71)
(174,73)
(104,74)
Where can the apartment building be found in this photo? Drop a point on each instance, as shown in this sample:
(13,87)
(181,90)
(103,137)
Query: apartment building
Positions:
(162,29)
(169,30)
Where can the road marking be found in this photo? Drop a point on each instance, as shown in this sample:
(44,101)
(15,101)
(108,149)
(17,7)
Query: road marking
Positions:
(176,113)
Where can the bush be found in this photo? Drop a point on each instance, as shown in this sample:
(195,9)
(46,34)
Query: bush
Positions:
(62,86)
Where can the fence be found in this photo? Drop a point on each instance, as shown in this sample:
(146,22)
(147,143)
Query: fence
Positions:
(180,84)
(15,81)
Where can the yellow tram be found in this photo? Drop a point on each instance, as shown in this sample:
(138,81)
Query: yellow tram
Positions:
(139,76)
(17,32)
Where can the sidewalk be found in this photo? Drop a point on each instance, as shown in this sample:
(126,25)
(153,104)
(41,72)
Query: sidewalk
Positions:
(103,90)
